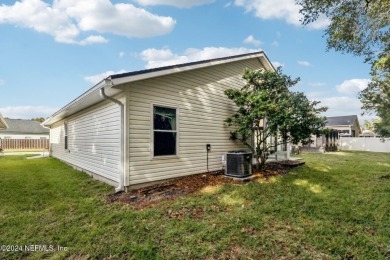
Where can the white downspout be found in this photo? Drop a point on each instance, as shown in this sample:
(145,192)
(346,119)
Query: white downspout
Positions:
(122,171)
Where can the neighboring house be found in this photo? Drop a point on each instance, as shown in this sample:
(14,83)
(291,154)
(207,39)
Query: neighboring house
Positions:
(337,126)
(345,125)
(137,128)
(22,129)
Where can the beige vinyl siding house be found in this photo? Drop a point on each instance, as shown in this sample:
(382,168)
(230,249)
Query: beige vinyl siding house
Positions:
(93,141)
(169,116)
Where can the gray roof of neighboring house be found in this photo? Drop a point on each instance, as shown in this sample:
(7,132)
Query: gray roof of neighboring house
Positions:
(23,126)
(341,120)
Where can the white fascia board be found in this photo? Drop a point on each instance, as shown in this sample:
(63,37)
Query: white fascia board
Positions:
(89,98)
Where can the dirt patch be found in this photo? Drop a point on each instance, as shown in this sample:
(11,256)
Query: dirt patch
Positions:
(194,213)
(149,196)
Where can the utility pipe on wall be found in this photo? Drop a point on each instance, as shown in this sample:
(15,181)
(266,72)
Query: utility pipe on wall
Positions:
(122,171)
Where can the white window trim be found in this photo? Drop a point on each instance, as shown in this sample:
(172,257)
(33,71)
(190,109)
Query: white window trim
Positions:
(162,157)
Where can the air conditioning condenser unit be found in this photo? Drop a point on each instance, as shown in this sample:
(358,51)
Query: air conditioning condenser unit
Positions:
(238,164)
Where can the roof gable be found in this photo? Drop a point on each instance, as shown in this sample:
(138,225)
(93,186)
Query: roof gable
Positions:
(112,84)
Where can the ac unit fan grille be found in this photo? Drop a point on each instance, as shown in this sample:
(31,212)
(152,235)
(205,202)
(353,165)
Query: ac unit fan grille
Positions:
(238,164)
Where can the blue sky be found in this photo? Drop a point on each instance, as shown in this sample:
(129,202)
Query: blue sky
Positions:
(53,51)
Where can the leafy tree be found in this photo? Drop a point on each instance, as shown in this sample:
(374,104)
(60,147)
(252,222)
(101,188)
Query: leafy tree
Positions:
(38,119)
(268,109)
(368,125)
(376,97)
(360,27)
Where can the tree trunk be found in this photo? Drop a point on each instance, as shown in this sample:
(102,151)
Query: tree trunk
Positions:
(263,158)
(257,168)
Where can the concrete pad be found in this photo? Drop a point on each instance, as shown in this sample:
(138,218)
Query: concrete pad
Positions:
(42,155)
(37,154)
(244,179)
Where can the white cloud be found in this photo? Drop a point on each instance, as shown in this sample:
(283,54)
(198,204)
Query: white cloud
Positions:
(40,16)
(277,64)
(341,106)
(27,112)
(251,40)
(228,4)
(303,63)
(121,54)
(347,104)
(315,95)
(2,82)
(164,57)
(176,3)
(352,86)
(94,79)
(286,10)
(275,43)
(317,84)
(93,39)
(66,20)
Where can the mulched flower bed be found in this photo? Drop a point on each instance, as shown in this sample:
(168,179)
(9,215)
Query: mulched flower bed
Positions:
(152,195)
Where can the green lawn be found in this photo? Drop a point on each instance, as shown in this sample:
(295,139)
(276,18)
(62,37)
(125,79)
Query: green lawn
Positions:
(337,205)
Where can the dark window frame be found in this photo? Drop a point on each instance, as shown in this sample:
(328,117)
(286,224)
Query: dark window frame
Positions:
(66,135)
(156,131)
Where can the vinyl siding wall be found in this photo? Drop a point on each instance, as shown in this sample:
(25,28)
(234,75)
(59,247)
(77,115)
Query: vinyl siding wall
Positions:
(202,108)
(93,141)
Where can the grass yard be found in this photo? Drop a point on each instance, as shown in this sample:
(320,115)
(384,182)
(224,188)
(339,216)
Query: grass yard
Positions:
(336,206)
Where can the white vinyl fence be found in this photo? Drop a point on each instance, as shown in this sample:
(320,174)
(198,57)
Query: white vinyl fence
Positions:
(369,144)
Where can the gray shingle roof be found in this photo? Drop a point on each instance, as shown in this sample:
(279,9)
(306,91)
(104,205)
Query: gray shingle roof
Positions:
(127,74)
(23,126)
(341,120)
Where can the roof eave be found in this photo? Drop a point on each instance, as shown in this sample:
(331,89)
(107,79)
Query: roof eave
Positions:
(87,99)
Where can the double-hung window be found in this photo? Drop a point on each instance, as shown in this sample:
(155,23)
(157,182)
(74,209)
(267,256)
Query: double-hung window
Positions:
(164,131)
